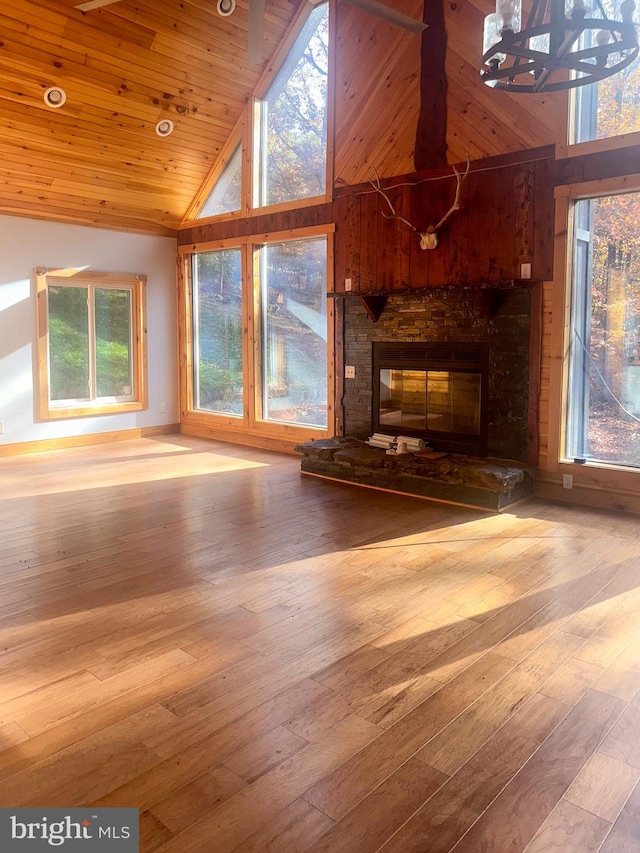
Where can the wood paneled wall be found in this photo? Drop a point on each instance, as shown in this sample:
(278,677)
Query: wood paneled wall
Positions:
(506,219)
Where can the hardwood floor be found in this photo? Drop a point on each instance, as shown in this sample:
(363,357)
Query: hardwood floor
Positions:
(264,662)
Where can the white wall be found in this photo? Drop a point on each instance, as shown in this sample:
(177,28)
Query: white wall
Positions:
(26,244)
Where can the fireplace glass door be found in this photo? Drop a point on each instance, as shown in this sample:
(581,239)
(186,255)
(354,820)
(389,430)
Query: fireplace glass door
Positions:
(435,391)
(453,401)
(403,398)
(435,400)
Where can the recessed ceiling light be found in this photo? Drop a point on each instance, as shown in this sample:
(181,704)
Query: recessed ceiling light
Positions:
(164,127)
(55,97)
(226,7)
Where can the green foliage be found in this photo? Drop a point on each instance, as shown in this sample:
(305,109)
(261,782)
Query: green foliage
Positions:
(219,380)
(113,369)
(69,357)
(220,389)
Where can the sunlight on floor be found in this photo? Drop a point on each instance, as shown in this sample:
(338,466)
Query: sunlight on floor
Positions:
(95,474)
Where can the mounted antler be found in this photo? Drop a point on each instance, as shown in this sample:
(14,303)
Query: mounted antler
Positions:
(428,238)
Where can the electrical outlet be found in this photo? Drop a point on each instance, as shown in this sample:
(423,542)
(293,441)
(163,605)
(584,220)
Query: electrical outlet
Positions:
(163,407)
(567,481)
(350,372)
(525,270)
(348,284)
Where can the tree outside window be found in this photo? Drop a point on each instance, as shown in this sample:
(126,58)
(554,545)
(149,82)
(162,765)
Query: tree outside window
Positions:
(292,120)
(611,107)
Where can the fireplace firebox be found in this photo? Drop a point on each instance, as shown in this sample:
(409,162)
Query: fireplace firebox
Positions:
(436,391)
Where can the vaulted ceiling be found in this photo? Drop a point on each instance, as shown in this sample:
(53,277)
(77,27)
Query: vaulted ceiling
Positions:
(97,160)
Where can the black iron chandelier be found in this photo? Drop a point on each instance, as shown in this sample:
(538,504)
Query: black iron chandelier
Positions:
(564,44)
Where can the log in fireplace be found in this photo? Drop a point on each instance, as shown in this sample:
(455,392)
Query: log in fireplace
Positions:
(437,391)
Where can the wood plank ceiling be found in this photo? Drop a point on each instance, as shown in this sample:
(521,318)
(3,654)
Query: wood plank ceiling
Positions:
(98,161)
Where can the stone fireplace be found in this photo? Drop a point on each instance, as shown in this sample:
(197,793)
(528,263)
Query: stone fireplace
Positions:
(468,353)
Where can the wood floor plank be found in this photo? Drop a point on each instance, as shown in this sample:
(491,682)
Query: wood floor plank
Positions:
(603,786)
(10,735)
(179,810)
(291,830)
(153,833)
(432,643)
(536,719)
(452,661)
(393,703)
(437,825)
(569,828)
(625,833)
(263,754)
(207,747)
(619,680)
(623,742)
(87,770)
(110,713)
(316,718)
(608,641)
(81,699)
(572,680)
(356,663)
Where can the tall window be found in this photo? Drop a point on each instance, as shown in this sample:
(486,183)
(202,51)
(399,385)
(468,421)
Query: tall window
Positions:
(217,326)
(91,344)
(293,301)
(603,404)
(291,122)
(260,325)
(612,107)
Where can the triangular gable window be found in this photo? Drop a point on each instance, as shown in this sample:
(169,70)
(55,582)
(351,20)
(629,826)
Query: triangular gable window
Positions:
(226,195)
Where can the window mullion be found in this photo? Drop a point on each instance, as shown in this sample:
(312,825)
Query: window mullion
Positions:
(133,349)
(195,341)
(91,342)
(257,326)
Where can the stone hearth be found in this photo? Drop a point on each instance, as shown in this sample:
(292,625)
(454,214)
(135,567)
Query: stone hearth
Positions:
(490,484)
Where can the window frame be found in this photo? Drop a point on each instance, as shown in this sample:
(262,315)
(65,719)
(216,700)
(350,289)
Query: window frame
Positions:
(228,420)
(239,137)
(565,147)
(251,422)
(246,133)
(256,118)
(137,284)
(599,474)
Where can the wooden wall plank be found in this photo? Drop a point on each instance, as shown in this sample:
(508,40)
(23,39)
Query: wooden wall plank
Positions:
(480,220)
